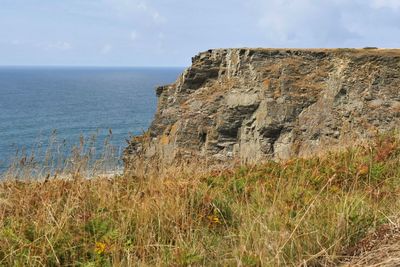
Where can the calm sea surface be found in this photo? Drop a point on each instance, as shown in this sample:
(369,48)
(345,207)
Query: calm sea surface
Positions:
(75,102)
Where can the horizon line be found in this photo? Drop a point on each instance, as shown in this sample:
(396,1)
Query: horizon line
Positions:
(87,66)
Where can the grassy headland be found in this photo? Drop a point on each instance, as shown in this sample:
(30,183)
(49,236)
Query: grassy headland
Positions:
(303,211)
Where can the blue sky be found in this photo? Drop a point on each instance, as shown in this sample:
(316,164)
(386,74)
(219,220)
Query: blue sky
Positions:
(170,32)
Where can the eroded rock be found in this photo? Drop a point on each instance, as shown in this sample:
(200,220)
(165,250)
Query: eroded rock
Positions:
(254,105)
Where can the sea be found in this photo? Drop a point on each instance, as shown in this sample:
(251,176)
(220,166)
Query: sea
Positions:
(40,106)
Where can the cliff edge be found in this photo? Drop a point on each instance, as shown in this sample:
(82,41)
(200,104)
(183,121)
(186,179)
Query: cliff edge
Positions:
(254,105)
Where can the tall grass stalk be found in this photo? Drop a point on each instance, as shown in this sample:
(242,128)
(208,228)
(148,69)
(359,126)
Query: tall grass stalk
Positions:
(57,158)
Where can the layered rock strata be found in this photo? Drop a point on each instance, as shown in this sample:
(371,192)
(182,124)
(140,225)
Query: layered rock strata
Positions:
(255,105)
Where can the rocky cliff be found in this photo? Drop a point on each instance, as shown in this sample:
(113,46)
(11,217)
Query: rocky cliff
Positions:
(259,104)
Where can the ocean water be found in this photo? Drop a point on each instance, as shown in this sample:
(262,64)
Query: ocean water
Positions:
(37,103)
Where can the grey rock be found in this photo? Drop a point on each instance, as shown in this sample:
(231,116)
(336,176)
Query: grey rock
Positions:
(255,105)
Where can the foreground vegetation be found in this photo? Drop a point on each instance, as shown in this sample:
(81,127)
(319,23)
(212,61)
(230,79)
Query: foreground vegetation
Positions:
(304,211)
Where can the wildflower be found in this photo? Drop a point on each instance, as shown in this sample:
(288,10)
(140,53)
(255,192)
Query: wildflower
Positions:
(335,189)
(100,248)
(213,219)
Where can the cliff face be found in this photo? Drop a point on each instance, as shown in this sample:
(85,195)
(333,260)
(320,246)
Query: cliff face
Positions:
(261,104)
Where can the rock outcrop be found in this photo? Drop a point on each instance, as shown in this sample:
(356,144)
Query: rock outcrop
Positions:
(259,104)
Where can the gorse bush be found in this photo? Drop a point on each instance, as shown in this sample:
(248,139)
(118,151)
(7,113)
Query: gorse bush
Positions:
(303,211)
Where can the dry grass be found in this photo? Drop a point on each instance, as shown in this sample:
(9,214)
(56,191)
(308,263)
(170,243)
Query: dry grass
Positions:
(55,157)
(301,212)
(379,248)
(395,52)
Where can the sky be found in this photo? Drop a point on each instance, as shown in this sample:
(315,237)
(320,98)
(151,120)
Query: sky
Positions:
(170,32)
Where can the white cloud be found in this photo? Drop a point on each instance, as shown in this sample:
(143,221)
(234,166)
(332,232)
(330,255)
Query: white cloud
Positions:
(16,42)
(303,20)
(129,9)
(106,49)
(59,45)
(133,35)
(333,23)
(161,35)
(142,5)
(393,4)
(45,45)
(157,18)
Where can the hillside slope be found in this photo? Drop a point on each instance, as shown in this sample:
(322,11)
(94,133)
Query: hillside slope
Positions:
(308,212)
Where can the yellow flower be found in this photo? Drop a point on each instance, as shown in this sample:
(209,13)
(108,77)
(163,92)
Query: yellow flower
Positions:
(100,248)
(214,219)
